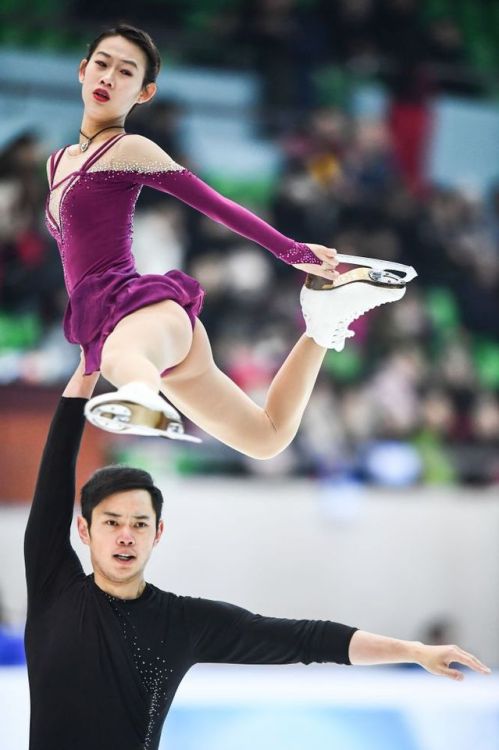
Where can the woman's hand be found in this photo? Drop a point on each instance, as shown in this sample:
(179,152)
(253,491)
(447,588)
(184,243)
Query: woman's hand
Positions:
(326,269)
(437,660)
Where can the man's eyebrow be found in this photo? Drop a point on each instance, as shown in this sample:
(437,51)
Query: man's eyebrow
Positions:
(128,62)
(139,517)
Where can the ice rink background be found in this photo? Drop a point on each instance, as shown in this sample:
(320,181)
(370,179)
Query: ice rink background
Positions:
(305,708)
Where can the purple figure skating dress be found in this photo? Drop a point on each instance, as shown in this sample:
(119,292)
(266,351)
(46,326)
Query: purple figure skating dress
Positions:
(89,213)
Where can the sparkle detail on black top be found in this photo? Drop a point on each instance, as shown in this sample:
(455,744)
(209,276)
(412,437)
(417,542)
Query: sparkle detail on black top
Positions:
(152,667)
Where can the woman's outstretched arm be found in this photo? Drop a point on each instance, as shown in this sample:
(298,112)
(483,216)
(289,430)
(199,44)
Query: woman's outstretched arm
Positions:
(153,167)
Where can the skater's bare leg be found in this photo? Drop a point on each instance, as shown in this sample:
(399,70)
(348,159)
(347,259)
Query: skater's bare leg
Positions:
(201,391)
(146,343)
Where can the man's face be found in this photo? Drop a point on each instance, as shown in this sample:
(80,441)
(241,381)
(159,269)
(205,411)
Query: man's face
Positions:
(121,536)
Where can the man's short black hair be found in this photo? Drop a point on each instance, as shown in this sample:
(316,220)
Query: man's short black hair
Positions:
(111,479)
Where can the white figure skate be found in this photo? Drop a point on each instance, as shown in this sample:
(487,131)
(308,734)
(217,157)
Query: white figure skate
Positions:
(135,409)
(330,306)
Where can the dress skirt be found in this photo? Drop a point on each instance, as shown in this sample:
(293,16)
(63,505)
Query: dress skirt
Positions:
(99,301)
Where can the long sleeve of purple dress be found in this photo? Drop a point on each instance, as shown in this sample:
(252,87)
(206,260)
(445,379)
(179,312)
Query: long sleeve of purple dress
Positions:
(188,188)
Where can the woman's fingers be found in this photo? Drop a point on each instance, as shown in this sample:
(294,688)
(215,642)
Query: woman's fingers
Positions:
(325,254)
(326,271)
(328,258)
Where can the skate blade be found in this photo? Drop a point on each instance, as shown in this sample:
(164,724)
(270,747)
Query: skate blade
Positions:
(364,275)
(174,434)
(117,415)
(127,418)
(407,273)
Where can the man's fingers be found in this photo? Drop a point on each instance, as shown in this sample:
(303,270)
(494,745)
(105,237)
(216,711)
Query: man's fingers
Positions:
(459,656)
(438,660)
(463,657)
(453,674)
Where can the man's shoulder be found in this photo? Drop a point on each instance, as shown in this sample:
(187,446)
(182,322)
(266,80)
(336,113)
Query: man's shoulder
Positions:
(160,595)
(173,600)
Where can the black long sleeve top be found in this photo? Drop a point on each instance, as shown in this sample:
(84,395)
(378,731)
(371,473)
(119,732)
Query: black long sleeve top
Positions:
(103,671)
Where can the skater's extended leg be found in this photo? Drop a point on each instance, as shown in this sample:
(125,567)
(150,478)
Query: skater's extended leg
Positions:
(201,391)
(160,337)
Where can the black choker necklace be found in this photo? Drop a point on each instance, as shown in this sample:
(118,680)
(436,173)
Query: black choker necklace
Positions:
(84,146)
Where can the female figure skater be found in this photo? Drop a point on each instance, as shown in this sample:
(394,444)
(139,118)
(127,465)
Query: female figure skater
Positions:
(142,332)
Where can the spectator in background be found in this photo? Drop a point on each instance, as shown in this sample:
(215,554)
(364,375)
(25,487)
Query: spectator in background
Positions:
(351,27)
(402,42)
(447,59)
(29,271)
(287,41)
(492,216)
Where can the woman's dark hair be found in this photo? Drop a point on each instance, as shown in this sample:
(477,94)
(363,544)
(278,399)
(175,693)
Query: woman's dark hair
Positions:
(111,479)
(138,37)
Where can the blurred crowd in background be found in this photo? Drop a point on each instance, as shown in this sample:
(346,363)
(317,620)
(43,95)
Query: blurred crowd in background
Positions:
(414,396)
(451,44)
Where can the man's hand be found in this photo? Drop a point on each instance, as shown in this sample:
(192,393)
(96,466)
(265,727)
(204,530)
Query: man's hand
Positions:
(81,385)
(369,648)
(437,660)
(326,269)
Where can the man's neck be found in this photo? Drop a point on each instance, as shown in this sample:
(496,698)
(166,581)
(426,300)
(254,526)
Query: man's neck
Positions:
(126,590)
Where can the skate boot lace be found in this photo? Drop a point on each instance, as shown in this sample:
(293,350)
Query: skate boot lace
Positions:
(341,330)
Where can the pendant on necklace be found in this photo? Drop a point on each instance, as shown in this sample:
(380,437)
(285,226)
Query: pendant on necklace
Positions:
(84,146)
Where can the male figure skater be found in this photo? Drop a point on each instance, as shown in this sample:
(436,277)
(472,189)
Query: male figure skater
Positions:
(106,652)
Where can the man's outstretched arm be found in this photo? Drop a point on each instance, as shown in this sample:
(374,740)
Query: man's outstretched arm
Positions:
(368,648)
(48,554)
(221,632)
